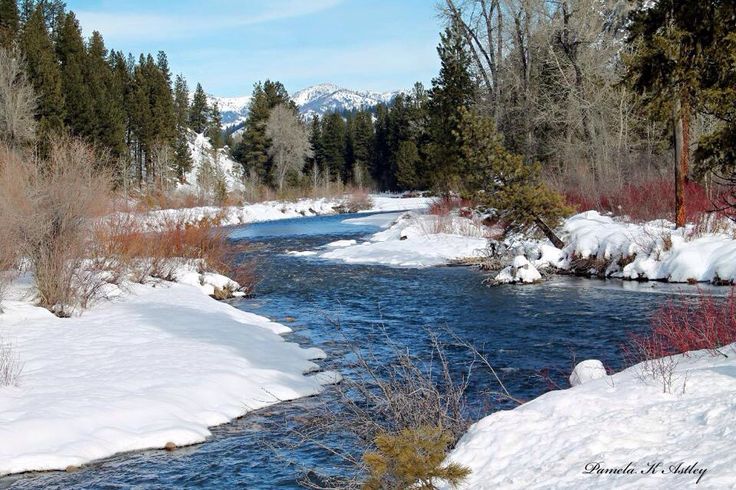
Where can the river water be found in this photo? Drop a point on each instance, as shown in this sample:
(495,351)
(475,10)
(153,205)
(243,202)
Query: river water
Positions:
(524,330)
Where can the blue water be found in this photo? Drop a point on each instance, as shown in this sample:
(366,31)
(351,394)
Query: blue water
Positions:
(524,330)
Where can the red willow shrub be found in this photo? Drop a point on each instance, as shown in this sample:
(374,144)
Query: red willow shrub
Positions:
(708,322)
(645,201)
(446,204)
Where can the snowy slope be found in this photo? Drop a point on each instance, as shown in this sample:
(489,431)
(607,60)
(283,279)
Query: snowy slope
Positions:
(316,100)
(160,363)
(565,438)
(203,152)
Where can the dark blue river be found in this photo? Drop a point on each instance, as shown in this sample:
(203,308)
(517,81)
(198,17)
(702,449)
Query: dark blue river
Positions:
(524,330)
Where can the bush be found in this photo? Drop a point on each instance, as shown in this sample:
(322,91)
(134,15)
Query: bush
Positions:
(413,458)
(358,200)
(706,323)
(446,204)
(10,366)
(46,210)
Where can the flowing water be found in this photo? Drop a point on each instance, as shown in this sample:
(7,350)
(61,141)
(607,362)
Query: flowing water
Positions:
(524,330)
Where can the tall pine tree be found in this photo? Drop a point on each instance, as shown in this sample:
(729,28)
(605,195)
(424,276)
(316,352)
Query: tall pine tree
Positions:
(199,112)
(9,22)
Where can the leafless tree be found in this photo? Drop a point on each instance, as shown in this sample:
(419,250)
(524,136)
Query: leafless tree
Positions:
(289,142)
(17,100)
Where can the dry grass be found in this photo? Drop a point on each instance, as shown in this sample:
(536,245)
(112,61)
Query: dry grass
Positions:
(357,200)
(10,365)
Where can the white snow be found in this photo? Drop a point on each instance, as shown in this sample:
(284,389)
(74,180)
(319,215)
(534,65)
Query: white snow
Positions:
(203,153)
(615,421)
(415,240)
(587,371)
(654,250)
(520,271)
(272,210)
(160,363)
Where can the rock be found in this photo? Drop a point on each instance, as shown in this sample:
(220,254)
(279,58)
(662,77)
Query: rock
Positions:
(71,468)
(170,446)
(290,319)
(587,371)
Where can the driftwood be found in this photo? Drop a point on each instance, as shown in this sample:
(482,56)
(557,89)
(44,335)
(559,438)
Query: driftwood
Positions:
(549,233)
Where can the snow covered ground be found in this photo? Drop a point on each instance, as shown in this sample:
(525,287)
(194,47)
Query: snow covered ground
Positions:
(616,248)
(157,364)
(275,210)
(409,240)
(567,438)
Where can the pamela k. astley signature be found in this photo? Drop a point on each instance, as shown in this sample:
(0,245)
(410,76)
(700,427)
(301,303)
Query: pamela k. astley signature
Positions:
(655,468)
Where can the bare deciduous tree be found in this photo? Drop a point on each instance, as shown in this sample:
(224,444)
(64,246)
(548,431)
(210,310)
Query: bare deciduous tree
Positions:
(289,142)
(17,100)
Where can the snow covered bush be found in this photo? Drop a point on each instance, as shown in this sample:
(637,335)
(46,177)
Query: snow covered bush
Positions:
(46,209)
(358,200)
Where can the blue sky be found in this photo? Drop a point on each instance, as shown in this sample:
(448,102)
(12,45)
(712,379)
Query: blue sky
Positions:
(227,45)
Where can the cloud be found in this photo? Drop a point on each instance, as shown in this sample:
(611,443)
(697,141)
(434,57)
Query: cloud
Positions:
(153,26)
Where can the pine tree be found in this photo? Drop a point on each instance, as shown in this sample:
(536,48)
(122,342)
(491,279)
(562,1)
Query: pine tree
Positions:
(252,152)
(380,169)
(9,22)
(334,144)
(182,156)
(44,73)
(181,103)
(109,119)
(214,127)
(78,107)
(199,110)
(452,92)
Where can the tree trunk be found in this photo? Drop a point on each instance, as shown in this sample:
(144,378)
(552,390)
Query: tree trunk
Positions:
(549,233)
(682,136)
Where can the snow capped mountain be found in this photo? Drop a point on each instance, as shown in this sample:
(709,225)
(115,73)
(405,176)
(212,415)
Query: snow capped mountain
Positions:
(234,110)
(323,98)
(316,100)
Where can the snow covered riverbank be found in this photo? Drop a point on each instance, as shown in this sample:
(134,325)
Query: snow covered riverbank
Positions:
(577,438)
(158,364)
(611,247)
(276,210)
(409,240)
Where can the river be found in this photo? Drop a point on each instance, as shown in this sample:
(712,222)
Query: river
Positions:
(522,329)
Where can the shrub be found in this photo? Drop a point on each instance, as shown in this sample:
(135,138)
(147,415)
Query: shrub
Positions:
(358,200)
(47,209)
(10,366)
(706,323)
(413,458)
(446,204)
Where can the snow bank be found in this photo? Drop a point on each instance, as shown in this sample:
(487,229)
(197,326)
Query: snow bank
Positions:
(564,438)
(520,271)
(160,363)
(414,240)
(203,153)
(649,251)
(272,210)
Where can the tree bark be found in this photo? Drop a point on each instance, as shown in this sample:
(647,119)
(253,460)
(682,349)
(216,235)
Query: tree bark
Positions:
(682,136)
(549,233)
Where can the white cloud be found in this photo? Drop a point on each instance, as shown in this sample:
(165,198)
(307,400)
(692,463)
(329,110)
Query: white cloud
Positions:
(151,26)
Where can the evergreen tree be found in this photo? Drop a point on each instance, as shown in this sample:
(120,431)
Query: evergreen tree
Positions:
(199,110)
(452,92)
(363,139)
(334,144)
(502,181)
(181,103)
(252,152)
(9,22)
(109,119)
(214,128)
(407,158)
(317,160)
(44,73)
(182,156)
(380,169)
(78,107)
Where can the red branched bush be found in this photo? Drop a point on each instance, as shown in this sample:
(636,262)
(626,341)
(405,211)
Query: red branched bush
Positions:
(645,201)
(708,323)
(446,204)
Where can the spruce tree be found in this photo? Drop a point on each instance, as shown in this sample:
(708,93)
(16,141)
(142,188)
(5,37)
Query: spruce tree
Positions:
(44,73)
(316,161)
(452,93)
(199,110)
(334,144)
(9,22)
(79,113)
(214,127)
(109,120)
(252,152)
(181,103)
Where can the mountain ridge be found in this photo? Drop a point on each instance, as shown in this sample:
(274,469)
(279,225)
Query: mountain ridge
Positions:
(316,100)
